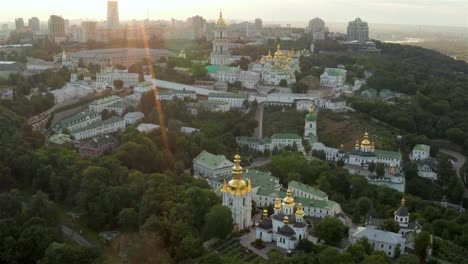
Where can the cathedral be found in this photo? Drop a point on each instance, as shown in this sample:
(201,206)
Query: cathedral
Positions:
(237,195)
(281,66)
(285,227)
(220,54)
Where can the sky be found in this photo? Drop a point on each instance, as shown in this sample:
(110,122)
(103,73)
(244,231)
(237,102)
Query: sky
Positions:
(415,12)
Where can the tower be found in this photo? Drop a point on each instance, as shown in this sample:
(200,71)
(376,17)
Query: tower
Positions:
(113,15)
(237,195)
(288,203)
(311,123)
(402,214)
(220,54)
(299,213)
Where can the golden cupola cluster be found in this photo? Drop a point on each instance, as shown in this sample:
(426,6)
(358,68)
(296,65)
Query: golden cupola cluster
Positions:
(289,200)
(221,19)
(277,204)
(237,185)
(366,144)
(279,57)
(265,214)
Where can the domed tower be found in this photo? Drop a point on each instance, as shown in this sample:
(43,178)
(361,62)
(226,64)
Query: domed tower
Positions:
(237,195)
(311,122)
(299,213)
(402,214)
(278,208)
(288,203)
(366,145)
(220,54)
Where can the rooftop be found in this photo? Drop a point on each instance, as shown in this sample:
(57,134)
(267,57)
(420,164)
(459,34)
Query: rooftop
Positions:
(335,72)
(388,154)
(422,147)
(227,95)
(307,189)
(212,161)
(80,117)
(379,236)
(109,121)
(286,136)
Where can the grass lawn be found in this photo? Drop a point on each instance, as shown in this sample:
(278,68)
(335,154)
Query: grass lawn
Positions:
(278,119)
(335,129)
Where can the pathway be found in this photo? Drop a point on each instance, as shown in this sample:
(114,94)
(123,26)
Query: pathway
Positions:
(258,133)
(248,238)
(457,164)
(79,239)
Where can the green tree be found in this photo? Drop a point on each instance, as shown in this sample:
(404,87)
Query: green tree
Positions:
(128,219)
(421,244)
(390,225)
(380,170)
(410,259)
(331,230)
(372,167)
(218,222)
(283,83)
(58,253)
(118,84)
(10,206)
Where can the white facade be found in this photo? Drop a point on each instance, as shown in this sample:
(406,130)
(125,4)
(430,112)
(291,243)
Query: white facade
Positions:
(108,126)
(146,128)
(286,140)
(380,240)
(333,77)
(132,118)
(77,121)
(220,54)
(420,152)
(358,30)
(110,74)
(234,100)
(143,87)
(303,105)
(171,95)
(249,79)
(99,105)
(310,127)
(72,91)
(208,165)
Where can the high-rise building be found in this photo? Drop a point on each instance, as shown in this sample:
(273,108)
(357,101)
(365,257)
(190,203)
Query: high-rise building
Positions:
(317,28)
(198,25)
(220,54)
(112,15)
(34,24)
(56,28)
(19,24)
(358,30)
(89,31)
(258,26)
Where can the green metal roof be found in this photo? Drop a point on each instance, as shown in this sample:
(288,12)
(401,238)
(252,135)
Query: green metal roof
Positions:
(335,72)
(388,154)
(111,120)
(307,189)
(311,117)
(316,203)
(286,136)
(212,68)
(247,140)
(227,95)
(263,179)
(422,147)
(80,117)
(212,161)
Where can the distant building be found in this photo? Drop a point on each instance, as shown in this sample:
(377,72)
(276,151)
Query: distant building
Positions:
(98,128)
(333,77)
(380,240)
(88,31)
(317,29)
(146,128)
(34,24)
(224,74)
(427,167)
(211,166)
(19,24)
(234,100)
(303,105)
(258,27)
(6,94)
(310,127)
(281,141)
(113,21)
(358,30)
(420,152)
(57,29)
(98,146)
(143,87)
(108,75)
(101,104)
(169,95)
(72,91)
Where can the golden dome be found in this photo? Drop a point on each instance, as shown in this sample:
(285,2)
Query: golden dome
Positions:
(277,204)
(221,20)
(357,144)
(289,200)
(269,57)
(263,60)
(403,201)
(278,52)
(312,109)
(265,214)
(366,142)
(299,211)
(392,165)
(237,184)
(286,220)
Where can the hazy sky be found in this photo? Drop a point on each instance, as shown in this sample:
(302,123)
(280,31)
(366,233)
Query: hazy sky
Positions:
(420,12)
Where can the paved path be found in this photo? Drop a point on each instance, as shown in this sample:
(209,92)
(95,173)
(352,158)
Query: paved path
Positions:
(258,133)
(457,164)
(79,239)
(248,238)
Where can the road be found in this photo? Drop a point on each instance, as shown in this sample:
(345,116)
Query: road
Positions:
(258,133)
(79,239)
(457,164)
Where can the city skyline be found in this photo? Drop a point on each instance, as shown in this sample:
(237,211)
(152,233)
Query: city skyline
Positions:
(432,12)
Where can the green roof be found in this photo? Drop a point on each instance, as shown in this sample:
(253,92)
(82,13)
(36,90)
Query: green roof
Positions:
(118,105)
(271,192)
(286,136)
(111,120)
(247,140)
(335,72)
(312,139)
(311,117)
(307,189)
(422,147)
(212,68)
(263,179)
(172,92)
(212,161)
(227,95)
(388,154)
(315,203)
(64,123)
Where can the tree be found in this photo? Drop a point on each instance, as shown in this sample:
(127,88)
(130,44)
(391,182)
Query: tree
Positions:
(10,206)
(380,170)
(372,167)
(410,259)
(283,83)
(421,244)
(118,84)
(218,222)
(390,225)
(331,230)
(58,253)
(128,219)
(198,70)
